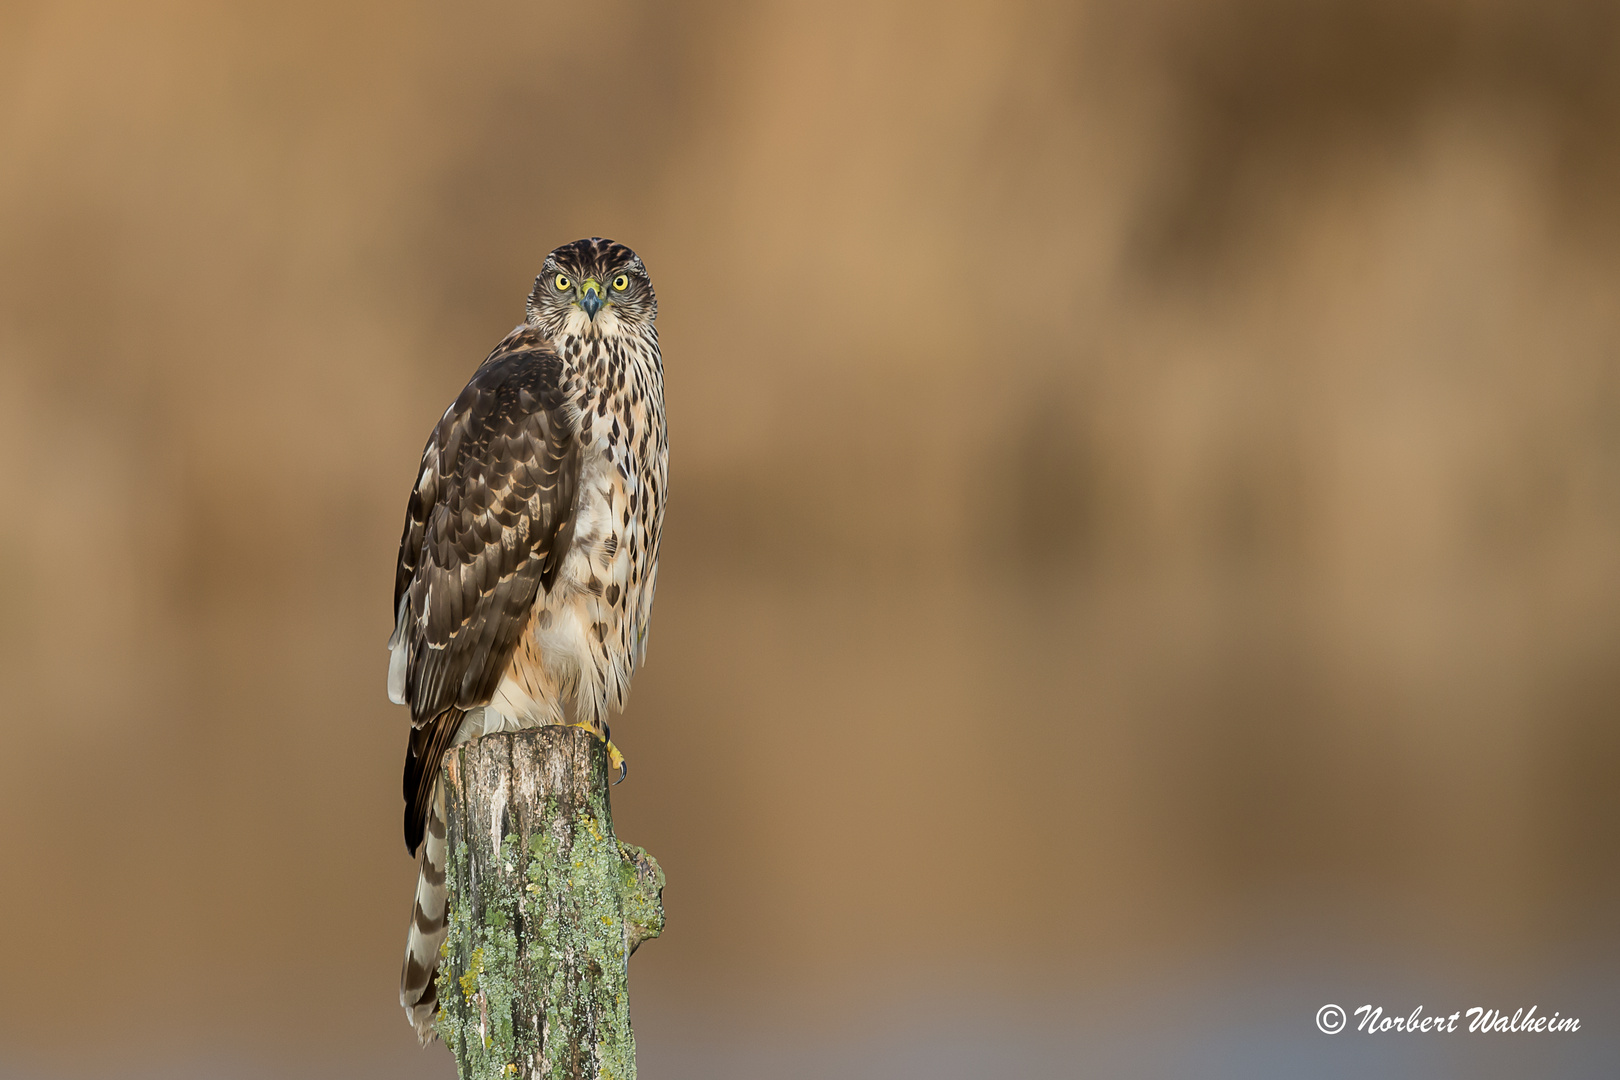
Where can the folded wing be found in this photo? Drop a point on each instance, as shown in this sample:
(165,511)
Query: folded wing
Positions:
(486,530)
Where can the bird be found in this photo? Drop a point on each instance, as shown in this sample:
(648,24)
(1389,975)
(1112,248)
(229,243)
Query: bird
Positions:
(529,559)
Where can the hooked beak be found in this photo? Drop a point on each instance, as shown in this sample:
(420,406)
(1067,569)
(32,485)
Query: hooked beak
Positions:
(590,298)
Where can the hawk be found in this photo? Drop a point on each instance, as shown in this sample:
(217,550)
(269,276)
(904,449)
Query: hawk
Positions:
(526,572)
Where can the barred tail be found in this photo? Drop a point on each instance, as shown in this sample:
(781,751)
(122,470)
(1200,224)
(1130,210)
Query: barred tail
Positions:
(417,992)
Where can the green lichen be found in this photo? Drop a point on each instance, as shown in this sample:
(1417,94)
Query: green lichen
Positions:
(482,953)
(641,885)
(469,981)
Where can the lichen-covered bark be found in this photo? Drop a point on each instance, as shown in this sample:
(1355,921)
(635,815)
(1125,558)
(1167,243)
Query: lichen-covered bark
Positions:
(546,907)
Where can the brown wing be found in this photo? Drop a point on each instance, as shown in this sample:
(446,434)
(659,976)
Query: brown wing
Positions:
(486,529)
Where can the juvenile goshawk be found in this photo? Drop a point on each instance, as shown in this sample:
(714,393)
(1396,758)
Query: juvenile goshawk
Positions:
(530,553)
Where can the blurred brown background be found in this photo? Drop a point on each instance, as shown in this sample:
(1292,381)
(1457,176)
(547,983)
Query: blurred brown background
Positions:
(1142,553)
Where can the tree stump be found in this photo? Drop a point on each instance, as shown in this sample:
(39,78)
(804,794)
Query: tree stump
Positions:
(546,906)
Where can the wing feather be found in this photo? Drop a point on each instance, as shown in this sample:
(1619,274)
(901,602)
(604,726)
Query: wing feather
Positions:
(484,534)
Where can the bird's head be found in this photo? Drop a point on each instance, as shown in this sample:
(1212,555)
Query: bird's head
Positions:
(592,288)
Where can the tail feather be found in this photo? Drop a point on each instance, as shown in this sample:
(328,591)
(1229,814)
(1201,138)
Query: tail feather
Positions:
(417,990)
(423,756)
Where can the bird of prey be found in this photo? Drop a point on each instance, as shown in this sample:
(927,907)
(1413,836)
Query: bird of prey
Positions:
(530,554)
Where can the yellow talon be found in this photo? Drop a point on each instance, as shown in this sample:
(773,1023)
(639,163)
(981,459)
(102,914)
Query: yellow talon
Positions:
(615,757)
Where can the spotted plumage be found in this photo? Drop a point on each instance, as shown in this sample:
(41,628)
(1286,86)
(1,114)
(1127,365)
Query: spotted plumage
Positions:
(530,554)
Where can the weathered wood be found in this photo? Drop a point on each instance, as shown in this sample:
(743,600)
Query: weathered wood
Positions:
(546,906)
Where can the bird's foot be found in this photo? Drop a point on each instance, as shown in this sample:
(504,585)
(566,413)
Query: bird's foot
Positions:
(615,756)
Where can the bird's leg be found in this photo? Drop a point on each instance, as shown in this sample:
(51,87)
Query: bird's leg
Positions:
(616,760)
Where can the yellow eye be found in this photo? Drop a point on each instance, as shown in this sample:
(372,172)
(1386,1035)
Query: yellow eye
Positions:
(563,284)
(622,282)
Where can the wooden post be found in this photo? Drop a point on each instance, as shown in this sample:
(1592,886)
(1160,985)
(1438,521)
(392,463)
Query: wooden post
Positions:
(546,907)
